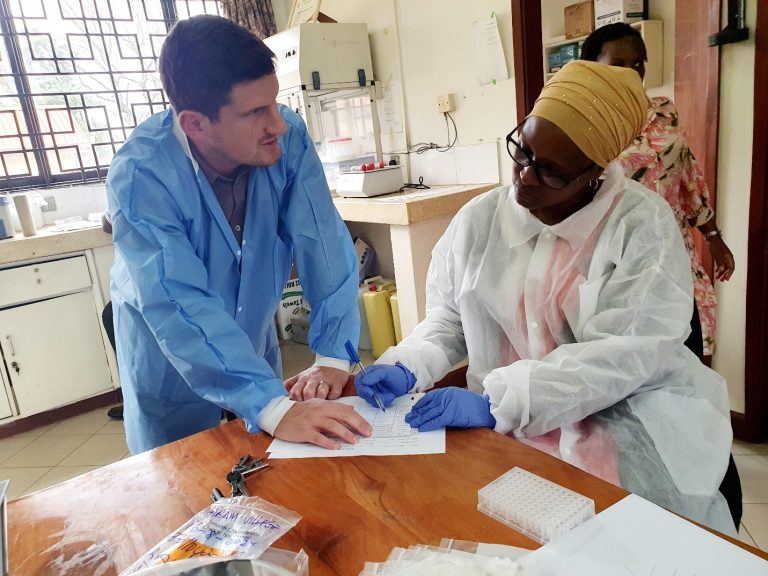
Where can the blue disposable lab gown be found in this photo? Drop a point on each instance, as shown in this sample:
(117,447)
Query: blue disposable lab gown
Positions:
(194,311)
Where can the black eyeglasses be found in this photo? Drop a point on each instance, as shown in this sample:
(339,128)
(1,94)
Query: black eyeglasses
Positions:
(550,178)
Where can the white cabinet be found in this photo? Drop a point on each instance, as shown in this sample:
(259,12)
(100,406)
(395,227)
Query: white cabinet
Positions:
(650,30)
(54,352)
(104,256)
(50,335)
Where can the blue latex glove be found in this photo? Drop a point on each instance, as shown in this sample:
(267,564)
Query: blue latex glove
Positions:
(389,381)
(451,407)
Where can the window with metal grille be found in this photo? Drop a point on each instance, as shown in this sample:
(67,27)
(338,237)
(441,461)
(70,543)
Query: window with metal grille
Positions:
(76,76)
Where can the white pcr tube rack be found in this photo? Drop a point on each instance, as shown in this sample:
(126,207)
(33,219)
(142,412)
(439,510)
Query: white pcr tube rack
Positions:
(540,509)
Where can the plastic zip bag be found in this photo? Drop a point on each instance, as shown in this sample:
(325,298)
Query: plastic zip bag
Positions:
(240,527)
(274,562)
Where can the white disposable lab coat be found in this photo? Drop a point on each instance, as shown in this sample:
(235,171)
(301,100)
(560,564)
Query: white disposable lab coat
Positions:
(575,332)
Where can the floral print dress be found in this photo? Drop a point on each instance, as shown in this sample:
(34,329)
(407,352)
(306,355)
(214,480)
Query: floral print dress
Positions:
(661,160)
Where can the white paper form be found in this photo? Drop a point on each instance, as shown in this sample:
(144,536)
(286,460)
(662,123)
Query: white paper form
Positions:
(391,110)
(391,435)
(637,538)
(491,65)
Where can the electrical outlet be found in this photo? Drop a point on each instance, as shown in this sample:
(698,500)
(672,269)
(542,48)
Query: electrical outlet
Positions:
(51,206)
(445,103)
(394,158)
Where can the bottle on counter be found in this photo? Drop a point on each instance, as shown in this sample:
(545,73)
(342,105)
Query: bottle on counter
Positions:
(24,210)
(6,220)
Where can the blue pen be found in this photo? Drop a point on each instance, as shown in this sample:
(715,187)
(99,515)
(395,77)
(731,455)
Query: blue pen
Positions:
(355,359)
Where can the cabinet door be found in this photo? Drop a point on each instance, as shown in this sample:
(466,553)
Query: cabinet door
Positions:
(54,352)
(5,404)
(104,257)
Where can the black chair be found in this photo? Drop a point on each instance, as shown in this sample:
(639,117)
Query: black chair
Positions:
(730,487)
(115,412)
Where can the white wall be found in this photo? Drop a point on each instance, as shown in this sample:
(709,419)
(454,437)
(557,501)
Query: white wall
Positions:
(427,47)
(737,72)
(664,10)
(552,20)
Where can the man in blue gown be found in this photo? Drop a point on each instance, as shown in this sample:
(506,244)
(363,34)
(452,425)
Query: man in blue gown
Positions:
(211,202)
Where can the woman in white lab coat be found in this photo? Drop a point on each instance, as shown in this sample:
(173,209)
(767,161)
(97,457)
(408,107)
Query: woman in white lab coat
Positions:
(570,294)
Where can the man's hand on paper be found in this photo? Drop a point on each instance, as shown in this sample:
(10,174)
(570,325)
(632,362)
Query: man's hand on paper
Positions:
(451,407)
(319,422)
(321,382)
(389,381)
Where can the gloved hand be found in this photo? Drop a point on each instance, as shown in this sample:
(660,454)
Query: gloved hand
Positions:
(451,407)
(389,381)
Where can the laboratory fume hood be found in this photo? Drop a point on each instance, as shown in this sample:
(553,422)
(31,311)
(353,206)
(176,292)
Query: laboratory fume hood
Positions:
(325,75)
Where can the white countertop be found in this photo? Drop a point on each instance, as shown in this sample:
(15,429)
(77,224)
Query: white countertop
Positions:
(410,206)
(51,241)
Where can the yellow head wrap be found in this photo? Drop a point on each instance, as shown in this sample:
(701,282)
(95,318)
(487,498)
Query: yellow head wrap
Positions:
(601,108)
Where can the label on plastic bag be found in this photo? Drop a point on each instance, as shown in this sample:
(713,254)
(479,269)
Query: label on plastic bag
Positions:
(240,527)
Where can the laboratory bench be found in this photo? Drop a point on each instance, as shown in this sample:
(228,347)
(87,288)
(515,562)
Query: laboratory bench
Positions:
(353,509)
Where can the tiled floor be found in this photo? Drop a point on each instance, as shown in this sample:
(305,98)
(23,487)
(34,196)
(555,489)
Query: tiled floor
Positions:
(40,458)
(45,456)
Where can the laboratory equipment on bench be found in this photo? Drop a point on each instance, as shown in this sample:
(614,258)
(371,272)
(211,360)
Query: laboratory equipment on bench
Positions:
(373,181)
(533,505)
(326,76)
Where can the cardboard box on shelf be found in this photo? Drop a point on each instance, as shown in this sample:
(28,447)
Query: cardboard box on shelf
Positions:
(579,19)
(612,11)
(291,301)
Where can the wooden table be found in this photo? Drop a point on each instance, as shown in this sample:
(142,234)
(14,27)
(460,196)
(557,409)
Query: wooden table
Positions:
(354,509)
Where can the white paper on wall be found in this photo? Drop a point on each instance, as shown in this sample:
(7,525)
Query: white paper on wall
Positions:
(489,52)
(391,110)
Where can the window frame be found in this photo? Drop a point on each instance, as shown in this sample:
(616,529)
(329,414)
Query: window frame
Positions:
(34,133)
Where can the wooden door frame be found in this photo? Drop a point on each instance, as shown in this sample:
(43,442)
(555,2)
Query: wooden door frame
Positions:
(753,424)
(691,96)
(527,52)
(529,79)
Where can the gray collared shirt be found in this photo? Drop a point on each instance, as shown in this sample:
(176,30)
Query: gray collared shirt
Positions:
(231,192)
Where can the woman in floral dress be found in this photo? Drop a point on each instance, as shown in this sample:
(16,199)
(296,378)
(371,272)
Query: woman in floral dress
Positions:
(661,160)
